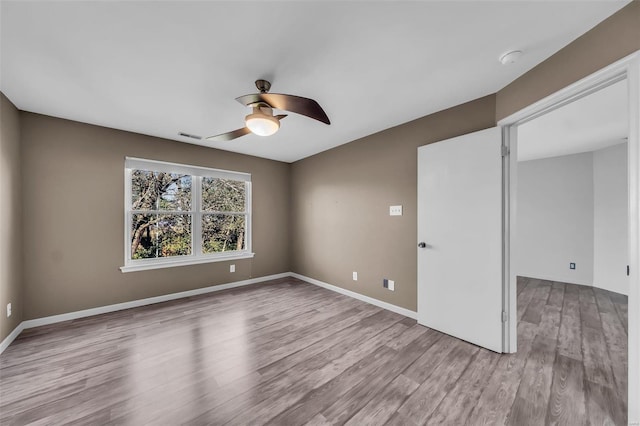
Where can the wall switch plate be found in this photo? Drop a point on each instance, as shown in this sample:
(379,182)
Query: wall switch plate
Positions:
(232,268)
(8,310)
(392,285)
(572,265)
(395,210)
(355,276)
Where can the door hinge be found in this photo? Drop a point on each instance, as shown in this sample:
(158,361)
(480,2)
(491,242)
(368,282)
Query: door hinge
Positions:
(504,316)
(505,150)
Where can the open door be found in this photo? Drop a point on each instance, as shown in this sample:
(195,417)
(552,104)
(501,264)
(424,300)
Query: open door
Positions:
(460,237)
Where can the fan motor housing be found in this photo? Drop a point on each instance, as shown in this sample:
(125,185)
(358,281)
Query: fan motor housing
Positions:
(263,86)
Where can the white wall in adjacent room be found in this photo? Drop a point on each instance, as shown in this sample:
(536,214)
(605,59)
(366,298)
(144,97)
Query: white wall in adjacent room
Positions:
(555,218)
(610,219)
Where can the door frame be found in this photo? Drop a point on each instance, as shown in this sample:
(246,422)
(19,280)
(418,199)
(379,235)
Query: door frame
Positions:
(627,68)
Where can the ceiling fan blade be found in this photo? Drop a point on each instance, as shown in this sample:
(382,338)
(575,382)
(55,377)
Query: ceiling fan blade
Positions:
(297,104)
(224,137)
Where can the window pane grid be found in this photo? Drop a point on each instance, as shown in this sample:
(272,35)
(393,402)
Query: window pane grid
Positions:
(221,213)
(162,222)
(222,233)
(151,190)
(162,212)
(160,235)
(223,195)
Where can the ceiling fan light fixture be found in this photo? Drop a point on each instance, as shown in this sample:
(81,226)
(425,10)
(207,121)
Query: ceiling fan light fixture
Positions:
(261,121)
(262,124)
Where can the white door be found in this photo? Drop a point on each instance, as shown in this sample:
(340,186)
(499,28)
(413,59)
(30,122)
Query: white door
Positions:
(460,236)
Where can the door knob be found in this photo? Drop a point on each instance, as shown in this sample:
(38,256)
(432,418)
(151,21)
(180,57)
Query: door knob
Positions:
(422,245)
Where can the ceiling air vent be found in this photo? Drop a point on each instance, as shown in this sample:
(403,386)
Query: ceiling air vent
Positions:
(187,135)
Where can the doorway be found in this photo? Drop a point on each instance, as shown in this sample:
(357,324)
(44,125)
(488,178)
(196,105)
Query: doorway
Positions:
(623,74)
(571,249)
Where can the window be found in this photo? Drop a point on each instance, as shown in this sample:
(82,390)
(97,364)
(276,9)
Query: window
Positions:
(177,215)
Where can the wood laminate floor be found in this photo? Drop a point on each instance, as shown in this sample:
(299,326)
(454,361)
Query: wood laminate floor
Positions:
(291,353)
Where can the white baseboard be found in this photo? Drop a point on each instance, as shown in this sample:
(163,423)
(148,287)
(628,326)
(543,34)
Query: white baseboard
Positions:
(167,297)
(11,337)
(624,292)
(371,300)
(127,305)
(576,282)
(560,280)
(143,302)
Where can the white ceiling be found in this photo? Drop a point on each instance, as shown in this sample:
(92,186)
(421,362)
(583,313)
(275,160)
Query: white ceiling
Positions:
(593,122)
(158,68)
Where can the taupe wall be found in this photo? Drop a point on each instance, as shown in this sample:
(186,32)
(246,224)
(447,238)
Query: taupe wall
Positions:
(611,40)
(10,218)
(73,216)
(341,198)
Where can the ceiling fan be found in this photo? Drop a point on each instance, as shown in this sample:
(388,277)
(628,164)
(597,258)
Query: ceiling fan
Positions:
(261,121)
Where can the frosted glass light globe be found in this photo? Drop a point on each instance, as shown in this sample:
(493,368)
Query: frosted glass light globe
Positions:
(261,124)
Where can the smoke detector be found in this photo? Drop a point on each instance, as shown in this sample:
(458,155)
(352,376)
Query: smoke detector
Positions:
(510,57)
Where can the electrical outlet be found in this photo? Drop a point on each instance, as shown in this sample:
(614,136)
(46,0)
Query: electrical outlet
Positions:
(392,285)
(232,268)
(395,210)
(355,276)
(572,265)
(8,310)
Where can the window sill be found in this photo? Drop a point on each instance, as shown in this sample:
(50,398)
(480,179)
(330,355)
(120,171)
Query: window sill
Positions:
(184,262)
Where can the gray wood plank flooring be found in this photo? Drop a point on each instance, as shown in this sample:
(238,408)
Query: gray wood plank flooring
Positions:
(290,353)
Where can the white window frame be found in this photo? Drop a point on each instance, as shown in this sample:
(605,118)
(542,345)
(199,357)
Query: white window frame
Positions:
(196,212)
